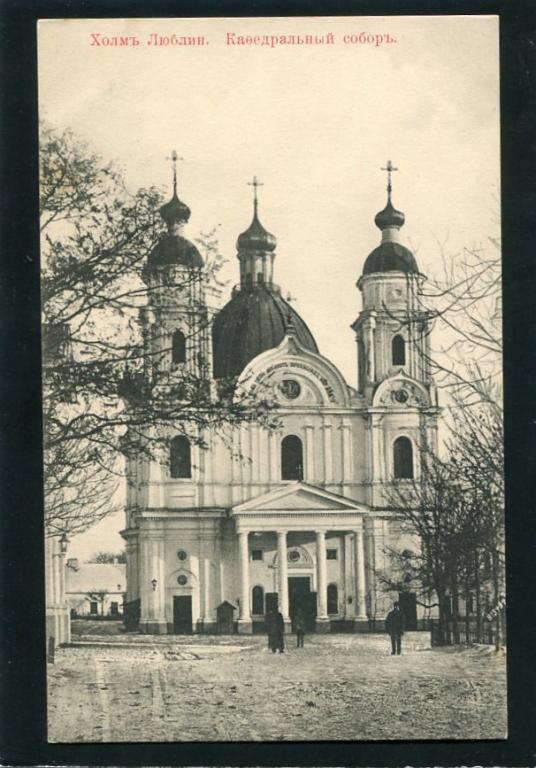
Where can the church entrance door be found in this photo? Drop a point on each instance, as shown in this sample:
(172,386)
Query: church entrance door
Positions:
(300,597)
(182,615)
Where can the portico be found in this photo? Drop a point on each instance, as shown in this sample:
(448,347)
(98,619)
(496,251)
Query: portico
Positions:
(300,522)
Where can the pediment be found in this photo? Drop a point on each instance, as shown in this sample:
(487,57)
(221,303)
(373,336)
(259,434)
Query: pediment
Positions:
(299,497)
(317,382)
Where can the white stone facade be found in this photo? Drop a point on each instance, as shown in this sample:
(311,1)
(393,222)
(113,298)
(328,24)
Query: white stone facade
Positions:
(236,530)
(231,505)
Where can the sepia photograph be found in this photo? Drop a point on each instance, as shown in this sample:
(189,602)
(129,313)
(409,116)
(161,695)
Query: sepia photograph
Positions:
(272,379)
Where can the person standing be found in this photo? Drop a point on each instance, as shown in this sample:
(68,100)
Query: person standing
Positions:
(271,629)
(394,625)
(279,633)
(299,628)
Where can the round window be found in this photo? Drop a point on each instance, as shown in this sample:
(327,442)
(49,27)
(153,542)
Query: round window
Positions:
(293,555)
(290,389)
(182,580)
(400,395)
(182,554)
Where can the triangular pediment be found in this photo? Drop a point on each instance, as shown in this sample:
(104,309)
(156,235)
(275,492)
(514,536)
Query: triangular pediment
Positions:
(299,497)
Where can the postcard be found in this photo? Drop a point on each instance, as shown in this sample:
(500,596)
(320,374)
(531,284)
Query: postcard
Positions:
(272,366)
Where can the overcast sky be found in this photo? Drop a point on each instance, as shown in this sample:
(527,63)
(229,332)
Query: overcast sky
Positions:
(315,123)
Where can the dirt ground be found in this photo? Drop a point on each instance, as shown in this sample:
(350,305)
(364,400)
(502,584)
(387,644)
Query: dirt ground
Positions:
(339,687)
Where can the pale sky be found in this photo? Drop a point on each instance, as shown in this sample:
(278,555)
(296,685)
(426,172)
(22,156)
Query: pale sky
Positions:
(315,123)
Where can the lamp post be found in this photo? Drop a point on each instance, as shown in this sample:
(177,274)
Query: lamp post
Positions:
(64,543)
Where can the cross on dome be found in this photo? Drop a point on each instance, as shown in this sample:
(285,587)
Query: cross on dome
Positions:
(389,219)
(255,184)
(389,168)
(175,212)
(174,157)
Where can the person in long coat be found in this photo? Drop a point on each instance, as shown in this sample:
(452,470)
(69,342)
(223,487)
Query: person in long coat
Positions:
(299,628)
(279,632)
(271,629)
(394,625)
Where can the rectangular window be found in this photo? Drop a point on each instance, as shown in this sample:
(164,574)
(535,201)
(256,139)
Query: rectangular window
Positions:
(114,609)
(331,554)
(257,554)
(93,607)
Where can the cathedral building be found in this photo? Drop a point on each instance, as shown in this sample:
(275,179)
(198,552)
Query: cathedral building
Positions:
(296,517)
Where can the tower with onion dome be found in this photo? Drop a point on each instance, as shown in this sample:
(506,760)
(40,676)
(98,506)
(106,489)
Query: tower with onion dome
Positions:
(175,321)
(393,329)
(257,316)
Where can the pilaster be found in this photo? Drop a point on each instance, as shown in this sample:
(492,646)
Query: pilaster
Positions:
(244,622)
(322,618)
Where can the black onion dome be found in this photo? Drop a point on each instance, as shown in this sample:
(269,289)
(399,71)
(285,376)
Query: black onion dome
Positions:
(256,238)
(251,322)
(175,211)
(175,250)
(389,217)
(390,257)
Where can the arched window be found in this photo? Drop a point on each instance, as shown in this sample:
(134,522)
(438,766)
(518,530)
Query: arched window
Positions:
(178,348)
(398,350)
(180,464)
(333,599)
(403,458)
(257,602)
(291,458)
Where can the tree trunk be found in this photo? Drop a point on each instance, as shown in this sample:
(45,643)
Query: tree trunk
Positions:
(478,601)
(455,611)
(496,592)
(467,614)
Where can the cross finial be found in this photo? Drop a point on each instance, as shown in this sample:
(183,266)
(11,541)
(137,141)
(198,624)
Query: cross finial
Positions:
(389,168)
(255,183)
(174,157)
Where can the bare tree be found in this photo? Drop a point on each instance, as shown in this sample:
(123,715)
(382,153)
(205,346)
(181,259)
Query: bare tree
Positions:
(457,506)
(108,557)
(102,386)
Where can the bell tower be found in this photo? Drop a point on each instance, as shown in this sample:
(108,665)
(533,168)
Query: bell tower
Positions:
(256,249)
(175,319)
(392,330)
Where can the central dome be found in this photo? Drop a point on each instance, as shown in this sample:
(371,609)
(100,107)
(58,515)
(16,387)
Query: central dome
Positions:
(251,322)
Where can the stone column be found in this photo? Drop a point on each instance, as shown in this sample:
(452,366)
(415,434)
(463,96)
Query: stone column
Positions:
(328,454)
(349,578)
(360,576)
(322,619)
(57,610)
(155,593)
(282,573)
(346,447)
(145,585)
(371,362)
(274,472)
(160,618)
(309,454)
(208,622)
(370,565)
(134,573)
(244,622)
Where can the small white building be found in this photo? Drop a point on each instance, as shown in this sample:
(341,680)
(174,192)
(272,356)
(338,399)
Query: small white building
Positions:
(95,589)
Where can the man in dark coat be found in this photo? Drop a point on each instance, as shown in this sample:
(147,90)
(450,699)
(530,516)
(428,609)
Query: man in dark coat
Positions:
(271,629)
(299,627)
(394,625)
(279,632)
